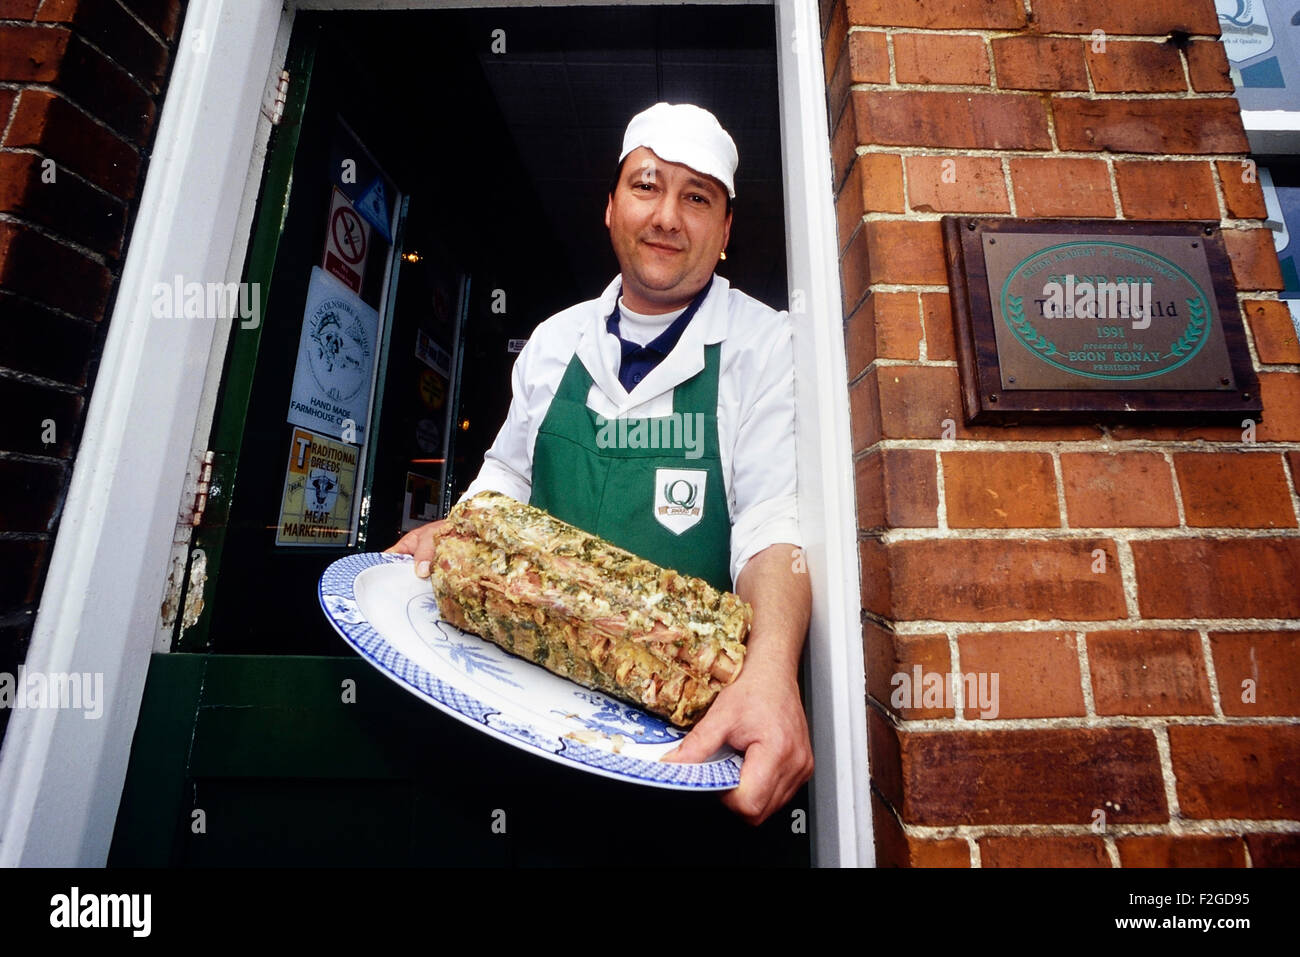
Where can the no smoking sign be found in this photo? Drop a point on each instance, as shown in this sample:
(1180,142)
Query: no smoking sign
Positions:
(346,242)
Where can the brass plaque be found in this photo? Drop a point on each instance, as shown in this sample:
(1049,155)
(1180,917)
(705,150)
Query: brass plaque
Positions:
(1079,311)
(1085,320)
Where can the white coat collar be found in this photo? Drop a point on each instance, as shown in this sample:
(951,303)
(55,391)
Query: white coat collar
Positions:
(600,353)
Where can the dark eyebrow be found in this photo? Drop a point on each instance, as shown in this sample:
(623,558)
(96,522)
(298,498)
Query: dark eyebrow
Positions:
(707,186)
(640,174)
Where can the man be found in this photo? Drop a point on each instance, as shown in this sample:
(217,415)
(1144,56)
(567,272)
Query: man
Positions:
(670,341)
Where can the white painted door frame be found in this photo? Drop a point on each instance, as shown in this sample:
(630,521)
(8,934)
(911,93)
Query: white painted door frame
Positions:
(61,775)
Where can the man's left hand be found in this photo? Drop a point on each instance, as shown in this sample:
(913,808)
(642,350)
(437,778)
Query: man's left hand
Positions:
(760,714)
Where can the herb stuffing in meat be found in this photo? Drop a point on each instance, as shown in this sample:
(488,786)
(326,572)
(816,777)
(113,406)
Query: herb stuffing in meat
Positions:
(588,610)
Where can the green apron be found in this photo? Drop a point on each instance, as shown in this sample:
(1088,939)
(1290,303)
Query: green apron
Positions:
(602,478)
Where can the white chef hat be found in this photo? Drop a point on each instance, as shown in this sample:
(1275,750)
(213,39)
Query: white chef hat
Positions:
(686,134)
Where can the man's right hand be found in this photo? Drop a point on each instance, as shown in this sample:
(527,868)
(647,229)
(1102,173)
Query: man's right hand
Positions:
(420,544)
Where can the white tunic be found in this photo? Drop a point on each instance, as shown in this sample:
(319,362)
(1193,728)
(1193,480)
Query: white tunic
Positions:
(755,404)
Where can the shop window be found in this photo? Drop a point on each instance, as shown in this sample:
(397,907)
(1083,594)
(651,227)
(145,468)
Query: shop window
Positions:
(1262,40)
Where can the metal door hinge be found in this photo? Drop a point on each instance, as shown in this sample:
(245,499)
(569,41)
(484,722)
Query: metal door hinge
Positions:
(281,97)
(201,491)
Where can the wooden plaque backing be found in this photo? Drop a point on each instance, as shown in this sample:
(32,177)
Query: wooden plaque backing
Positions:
(984,400)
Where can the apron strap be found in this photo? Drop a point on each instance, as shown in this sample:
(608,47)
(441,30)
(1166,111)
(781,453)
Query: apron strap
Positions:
(701,390)
(576,382)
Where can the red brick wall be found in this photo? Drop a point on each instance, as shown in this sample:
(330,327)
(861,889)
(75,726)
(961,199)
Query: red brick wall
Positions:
(1134,589)
(81,84)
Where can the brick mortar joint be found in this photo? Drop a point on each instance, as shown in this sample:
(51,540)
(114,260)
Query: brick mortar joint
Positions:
(26,537)
(998,33)
(923,345)
(1205,827)
(955,672)
(991,60)
(1185,62)
(1289,475)
(928,626)
(1101,722)
(8,120)
(878,620)
(881,362)
(1173,96)
(1244,226)
(32,458)
(1085,674)
(1011,152)
(1112,850)
(1112,180)
(870,216)
(1012,205)
(1211,673)
(1058,477)
(1248,333)
(920,215)
(67,171)
(101,259)
(1177,489)
(168,48)
(1127,577)
(916,287)
(1099,445)
(941,495)
(1243,223)
(63,95)
(1036,95)
(28,378)
(1167,775)
(885,362)
(1037,534)
(167,45)
(90,323)
(83,38)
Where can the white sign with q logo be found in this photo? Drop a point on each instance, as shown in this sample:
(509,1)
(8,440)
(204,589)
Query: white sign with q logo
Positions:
(679,498)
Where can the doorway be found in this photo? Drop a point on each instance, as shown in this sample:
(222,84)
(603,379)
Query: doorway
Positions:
(494,135)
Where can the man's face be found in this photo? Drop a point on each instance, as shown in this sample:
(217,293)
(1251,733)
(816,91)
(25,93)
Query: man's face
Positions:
(667,224)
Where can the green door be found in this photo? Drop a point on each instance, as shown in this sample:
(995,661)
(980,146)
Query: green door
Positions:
(262,739)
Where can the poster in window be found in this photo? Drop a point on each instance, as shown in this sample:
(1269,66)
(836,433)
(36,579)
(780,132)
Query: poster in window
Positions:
(1262,40)
(1282,205)
(431,354)
(319,484)
(336,360)
(347,242)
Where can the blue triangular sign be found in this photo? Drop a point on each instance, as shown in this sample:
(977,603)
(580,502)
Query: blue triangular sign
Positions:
(373,205)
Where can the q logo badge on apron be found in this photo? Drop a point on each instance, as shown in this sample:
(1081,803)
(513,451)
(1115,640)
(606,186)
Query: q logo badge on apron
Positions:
(679,498)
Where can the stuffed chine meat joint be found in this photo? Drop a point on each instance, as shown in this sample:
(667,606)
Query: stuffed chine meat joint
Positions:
(588,610)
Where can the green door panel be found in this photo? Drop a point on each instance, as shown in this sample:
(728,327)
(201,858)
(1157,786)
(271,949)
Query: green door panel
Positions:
(287,773)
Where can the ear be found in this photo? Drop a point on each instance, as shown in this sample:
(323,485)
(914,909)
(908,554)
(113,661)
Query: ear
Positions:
(609,205)
(726,231)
